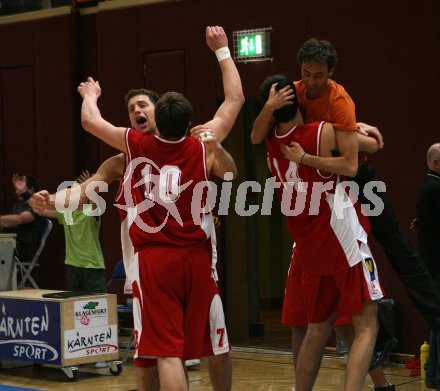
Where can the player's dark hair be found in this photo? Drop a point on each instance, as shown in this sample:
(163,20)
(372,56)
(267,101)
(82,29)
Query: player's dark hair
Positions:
(153,96)
(31,183)
(316,51)
(173,113)
(288,112)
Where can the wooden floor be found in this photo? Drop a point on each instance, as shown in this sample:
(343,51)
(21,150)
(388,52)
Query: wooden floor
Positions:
(262,363)
(252,370)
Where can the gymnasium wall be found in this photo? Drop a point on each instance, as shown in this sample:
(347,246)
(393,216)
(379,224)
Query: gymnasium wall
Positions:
(388,60)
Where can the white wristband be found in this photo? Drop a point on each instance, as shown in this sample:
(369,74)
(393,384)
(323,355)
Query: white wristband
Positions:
(223,53)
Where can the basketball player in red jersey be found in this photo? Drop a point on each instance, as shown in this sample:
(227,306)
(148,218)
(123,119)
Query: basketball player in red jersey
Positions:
(332,252)
(140,105)
(174,264)
(221,124)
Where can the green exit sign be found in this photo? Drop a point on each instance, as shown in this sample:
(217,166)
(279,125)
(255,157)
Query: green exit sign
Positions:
(252,45)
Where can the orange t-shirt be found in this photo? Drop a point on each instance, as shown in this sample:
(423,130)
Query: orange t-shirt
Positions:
(334,106)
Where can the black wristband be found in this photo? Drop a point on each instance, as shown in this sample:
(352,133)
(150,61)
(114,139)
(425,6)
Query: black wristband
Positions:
(26,195)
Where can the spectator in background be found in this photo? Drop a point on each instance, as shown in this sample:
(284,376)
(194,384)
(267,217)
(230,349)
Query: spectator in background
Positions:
(428,235)
(84,259)
(23,221)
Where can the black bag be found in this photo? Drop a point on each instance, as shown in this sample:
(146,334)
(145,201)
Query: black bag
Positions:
(386,340)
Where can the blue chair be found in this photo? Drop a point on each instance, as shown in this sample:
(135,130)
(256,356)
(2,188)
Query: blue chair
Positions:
(25,265)
(7,265)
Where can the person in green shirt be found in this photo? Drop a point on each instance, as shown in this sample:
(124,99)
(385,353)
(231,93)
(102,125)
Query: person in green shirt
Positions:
(84,259)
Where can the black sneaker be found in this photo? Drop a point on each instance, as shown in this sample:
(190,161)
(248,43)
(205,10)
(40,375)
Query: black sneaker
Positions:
(389,387)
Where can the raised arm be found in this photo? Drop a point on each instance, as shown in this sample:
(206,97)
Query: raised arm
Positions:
(227,113)
(265,121)
(110,170)
(25,217)
(92,120)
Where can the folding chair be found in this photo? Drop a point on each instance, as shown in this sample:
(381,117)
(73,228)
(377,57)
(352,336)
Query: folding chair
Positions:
(7,265)
(118,274)
(26,266)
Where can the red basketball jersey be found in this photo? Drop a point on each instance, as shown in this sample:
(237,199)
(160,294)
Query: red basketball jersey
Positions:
(167,180)
(326,241)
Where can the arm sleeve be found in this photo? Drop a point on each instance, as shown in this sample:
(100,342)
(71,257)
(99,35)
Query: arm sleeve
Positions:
(343,113)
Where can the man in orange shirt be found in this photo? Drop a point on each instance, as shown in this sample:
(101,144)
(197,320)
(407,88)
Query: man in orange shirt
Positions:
(323,99)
